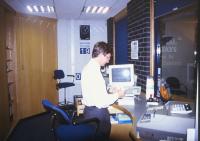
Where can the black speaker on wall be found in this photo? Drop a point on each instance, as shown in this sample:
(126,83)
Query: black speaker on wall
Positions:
(85,32)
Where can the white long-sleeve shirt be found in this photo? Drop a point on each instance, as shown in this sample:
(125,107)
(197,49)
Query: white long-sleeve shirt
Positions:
(94,88)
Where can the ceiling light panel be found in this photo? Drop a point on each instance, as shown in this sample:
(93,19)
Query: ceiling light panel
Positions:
(35,8)
(30,9)
(69,9)
(40,9)
(96,9)
(105,10)
(100,9)
(88,9)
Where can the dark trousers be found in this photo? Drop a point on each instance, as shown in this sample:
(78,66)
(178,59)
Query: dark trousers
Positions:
(104,118)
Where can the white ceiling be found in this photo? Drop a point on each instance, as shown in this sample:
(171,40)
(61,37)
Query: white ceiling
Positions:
(70,9)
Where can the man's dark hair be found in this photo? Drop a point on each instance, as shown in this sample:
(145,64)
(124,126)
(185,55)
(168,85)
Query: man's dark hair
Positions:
(101,47)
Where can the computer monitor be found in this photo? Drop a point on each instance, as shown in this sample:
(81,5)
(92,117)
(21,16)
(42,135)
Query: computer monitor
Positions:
(121,75)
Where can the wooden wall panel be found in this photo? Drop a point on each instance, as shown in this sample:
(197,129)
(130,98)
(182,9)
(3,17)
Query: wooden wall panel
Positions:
(36,59)
(4,110)
(11,66)
(49,64)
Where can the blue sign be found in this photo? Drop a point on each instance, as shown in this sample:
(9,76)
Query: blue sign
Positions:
(78,76)
(84,50)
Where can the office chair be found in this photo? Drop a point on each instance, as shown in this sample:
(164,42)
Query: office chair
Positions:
(58,75)
(175,86)
(65,128)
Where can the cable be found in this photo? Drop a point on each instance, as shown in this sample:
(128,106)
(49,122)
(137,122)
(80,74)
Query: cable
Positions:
(55,9)
(82,10)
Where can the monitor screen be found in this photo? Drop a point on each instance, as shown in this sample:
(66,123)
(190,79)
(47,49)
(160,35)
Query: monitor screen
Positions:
(122,75)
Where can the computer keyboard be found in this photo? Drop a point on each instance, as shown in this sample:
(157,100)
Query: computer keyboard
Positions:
(132,90)
(180,108)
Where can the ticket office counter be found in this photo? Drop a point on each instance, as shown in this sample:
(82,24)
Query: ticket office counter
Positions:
(162,126)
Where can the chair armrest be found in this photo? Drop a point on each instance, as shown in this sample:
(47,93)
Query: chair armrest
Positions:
(132,132)
(70,75)
(87,121)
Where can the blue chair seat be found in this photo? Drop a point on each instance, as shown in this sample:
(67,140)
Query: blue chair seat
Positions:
(75,132)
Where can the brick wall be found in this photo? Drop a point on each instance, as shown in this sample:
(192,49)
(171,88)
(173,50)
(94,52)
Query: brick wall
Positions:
(138,12)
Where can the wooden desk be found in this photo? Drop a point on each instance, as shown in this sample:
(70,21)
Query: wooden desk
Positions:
(124,132)
(120,132)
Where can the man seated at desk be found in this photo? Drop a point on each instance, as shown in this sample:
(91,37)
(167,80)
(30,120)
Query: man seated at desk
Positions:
(94,92)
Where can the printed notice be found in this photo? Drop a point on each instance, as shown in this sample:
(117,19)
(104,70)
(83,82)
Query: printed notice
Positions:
(134,49)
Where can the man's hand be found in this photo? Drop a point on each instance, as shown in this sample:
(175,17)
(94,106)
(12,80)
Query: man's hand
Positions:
(119,91)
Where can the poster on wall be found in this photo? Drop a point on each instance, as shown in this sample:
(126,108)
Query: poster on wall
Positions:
(134,49)
(85,32)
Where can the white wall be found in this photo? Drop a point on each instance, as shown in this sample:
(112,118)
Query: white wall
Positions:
(69,43)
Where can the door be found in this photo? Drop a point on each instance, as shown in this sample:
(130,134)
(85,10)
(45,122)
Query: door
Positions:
(36,61)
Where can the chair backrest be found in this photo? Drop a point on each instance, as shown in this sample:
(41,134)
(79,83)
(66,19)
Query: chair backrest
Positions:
(61,115)
(59,74)
(173,82)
